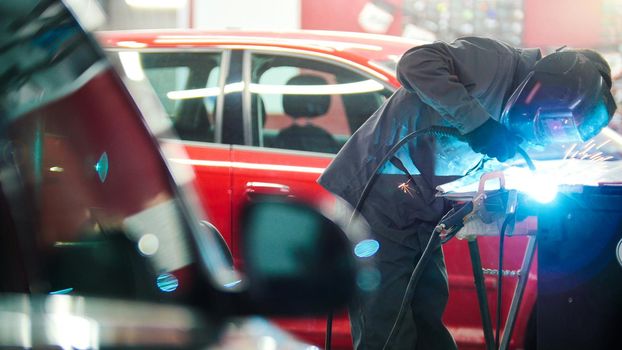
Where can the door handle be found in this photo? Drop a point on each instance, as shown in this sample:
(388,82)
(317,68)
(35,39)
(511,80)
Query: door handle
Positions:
(255,189)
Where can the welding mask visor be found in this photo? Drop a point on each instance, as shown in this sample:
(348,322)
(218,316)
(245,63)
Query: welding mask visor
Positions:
(565,99)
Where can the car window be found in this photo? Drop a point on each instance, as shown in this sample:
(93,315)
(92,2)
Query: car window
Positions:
(187,85)
(308,105)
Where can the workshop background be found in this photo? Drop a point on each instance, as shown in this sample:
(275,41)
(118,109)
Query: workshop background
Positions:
(112,189)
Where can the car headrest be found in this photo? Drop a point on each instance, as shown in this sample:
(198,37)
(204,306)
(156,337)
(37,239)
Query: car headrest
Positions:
(306,106)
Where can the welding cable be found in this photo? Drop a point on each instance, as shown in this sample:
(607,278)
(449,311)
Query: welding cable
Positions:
(433,131)
(526,157)
(450,223)
(437,131)
(412,282)
(508,219)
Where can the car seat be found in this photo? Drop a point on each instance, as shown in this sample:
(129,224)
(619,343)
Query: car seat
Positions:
(193,122)
(306,137)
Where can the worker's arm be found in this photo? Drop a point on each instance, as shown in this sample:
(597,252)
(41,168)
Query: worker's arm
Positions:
(444,75)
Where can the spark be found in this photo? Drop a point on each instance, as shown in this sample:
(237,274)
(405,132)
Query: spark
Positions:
(588,148)
(589,145)
(596,155)
(405,187)
(602,144)
(574,155)
(570,150)
(582,152)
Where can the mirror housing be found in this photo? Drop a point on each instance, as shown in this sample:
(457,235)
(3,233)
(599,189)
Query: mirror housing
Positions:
(297,261)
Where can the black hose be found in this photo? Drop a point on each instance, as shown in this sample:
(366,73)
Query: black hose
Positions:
(412,282)
(435,131)
(526,157)
(329,331)
(504,226)
(452,221)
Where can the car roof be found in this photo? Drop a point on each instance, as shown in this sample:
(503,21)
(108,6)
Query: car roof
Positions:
(357,47)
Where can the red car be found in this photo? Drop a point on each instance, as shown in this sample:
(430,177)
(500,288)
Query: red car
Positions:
(254,116)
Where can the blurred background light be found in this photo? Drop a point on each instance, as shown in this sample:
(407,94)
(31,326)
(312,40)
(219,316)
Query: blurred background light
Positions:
(368,279)
(167,282)
(157,4)
(148,244)
(62,291)
(366,248)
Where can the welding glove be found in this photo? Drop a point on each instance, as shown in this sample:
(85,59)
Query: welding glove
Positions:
(493,140)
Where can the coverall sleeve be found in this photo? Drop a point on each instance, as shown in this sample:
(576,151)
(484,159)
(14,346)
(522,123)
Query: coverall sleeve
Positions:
(434,72)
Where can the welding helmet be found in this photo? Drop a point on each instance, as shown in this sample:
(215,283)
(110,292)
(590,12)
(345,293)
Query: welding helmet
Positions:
(566,98)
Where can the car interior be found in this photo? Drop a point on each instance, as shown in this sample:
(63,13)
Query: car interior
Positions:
(306,136)
(279,119)
(308,122)
(193,118)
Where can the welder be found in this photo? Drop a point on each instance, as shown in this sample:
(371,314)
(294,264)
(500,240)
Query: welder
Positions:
(497,97)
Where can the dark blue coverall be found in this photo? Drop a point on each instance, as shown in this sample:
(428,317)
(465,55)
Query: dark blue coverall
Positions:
(461,85)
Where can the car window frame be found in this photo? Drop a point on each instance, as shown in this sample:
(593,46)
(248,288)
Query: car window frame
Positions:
(337,61)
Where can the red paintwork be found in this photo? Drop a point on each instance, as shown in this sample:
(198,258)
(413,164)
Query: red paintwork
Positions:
(70,134)
(353,47)
(73,136)
(225,174)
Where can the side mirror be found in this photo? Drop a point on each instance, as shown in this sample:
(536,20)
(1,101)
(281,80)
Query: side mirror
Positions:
(297,260)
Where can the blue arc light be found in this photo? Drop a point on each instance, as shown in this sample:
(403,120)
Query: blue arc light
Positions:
(540,188)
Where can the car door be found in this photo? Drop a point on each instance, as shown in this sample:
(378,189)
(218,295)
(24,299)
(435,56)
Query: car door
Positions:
(189,84)
(299,110)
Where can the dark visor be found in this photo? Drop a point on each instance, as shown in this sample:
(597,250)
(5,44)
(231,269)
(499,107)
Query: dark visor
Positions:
(563,100)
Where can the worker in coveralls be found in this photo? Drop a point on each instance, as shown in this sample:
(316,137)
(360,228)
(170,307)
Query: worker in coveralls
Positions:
(465,85)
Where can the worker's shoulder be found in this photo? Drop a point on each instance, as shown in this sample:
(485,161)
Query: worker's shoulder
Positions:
(483,42)
(467,44)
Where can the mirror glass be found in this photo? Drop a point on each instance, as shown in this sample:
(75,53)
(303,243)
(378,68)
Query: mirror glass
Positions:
(298,261)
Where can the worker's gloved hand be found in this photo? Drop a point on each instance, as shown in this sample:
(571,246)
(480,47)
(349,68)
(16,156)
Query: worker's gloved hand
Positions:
(493,140)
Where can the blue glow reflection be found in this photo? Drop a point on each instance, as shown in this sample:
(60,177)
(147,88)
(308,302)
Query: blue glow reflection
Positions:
(233,284)
(102,167)
(366,248)
(62,291)
(167,282)
(368,279)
